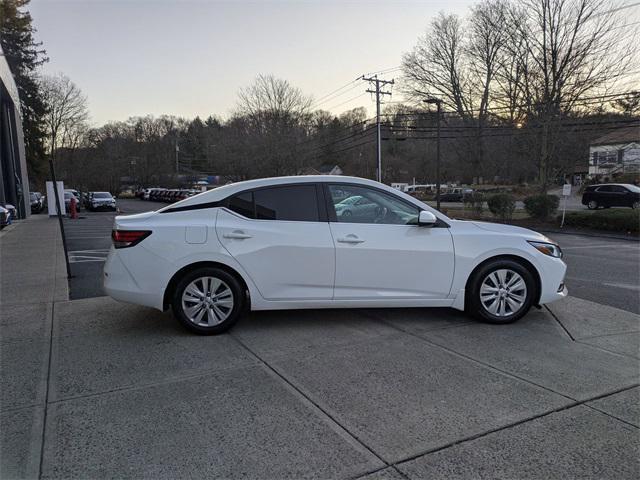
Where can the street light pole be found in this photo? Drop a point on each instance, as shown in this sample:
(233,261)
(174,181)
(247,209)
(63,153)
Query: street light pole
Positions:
(438,103)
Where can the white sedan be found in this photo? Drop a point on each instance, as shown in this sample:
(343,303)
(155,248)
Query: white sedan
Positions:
(278,243)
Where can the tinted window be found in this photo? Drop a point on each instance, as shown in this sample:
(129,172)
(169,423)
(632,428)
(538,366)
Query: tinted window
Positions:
(618,189)
(102,195)
(605,188)
(242,204)
(295,203)
(370,206)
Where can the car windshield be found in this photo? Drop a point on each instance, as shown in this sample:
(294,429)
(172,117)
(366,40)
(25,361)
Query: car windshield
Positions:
(33,196)
(67,195)
(101,195)
(633,188)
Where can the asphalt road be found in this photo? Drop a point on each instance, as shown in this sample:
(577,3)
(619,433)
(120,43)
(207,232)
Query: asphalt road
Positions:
(602,270)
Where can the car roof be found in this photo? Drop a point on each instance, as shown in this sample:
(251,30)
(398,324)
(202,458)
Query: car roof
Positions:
(618,184)
(225,191)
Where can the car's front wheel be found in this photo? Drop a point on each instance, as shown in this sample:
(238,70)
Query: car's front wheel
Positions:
(208,300)
(501,291)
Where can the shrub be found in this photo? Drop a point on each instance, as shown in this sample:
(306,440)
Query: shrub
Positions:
(541,206)
(611,220)
(502,206)
(474,202)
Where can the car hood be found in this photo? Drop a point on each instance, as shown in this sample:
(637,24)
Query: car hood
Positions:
(511,230)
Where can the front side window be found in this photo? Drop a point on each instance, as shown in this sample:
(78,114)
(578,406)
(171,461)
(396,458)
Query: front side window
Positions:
(355,204)
(296,203)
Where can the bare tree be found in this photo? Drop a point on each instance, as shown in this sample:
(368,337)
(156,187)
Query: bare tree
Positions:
(67,113)
(569,49)
(272,99)
(437,66)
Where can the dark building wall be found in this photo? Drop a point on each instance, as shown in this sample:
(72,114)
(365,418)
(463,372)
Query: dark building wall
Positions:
(14,181)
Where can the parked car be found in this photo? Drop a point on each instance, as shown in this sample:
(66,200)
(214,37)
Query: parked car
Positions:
(5,217)
(611,195)
(356,207)
(37,202)
(156,194)
(279,243)
(456,195)
(102,201)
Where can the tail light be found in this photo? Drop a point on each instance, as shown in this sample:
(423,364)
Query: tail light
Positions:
(128,238)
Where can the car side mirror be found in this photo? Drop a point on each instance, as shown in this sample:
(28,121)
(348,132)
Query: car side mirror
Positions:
(426,218)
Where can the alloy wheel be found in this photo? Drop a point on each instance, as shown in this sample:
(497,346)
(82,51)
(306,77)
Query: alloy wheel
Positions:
(503,292)
(207,301)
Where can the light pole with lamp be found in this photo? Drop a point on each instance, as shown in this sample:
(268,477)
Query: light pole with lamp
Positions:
(438,103)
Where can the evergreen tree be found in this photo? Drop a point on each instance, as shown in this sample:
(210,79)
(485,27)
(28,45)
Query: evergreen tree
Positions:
(24,55)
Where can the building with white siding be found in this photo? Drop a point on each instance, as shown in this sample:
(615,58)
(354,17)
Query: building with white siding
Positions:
(617,152)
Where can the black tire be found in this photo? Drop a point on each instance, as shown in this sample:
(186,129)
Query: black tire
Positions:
(592,205)
(233,284)
(473,303)
(635,205)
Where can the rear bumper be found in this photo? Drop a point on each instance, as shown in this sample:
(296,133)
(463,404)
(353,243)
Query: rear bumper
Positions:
(120,284)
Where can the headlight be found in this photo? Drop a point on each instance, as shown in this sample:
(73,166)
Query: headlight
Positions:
(550,249)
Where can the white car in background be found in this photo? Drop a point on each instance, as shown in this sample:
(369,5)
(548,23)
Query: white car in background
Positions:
(278,243)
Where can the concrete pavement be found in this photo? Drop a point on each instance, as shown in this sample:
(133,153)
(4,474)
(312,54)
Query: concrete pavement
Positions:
(93,388)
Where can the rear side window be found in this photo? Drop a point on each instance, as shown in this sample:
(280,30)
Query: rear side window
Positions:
(290,203)
(242,204)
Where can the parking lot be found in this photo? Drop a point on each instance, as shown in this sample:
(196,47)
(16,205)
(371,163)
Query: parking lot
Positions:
(94,388)
(604,270)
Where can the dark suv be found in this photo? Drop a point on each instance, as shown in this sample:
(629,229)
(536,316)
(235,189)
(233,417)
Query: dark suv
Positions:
(611,195)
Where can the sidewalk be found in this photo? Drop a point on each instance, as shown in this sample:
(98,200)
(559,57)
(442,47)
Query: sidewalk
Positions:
(94,388)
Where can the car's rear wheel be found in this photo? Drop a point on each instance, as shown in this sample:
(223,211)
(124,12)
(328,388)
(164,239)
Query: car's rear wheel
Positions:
(592,205)
(501,291)
(208,300)
(635,205)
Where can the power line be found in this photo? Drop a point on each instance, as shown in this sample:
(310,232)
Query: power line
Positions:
(363,133)
(347,101)
(319,100)
(597,99)
(333,97)
(514,133)
(368,142)
(571,123)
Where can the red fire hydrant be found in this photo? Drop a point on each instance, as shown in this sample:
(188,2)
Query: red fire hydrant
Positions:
(73,211)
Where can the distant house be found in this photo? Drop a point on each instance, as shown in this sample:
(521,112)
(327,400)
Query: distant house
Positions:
(615,153)
(322,170)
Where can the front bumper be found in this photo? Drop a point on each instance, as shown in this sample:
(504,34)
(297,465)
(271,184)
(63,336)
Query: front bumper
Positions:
(552,273)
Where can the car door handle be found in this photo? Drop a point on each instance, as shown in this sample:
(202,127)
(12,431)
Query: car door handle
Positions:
(238,234)
(350,239)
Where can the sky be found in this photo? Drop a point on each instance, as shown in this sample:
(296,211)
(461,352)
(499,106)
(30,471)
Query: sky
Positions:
(190,57)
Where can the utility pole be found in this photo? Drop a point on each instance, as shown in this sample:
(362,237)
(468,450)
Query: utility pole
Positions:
(378,92)
(438,103)
(177,152)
